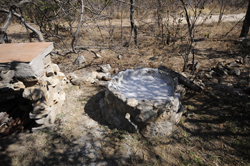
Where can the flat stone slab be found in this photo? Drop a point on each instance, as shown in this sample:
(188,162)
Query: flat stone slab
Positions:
(26,59)
(23,52)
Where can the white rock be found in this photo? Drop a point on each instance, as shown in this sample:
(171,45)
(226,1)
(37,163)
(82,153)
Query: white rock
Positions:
(49,71)
(132,102)
(52,81)
(94,81)
(62,96)
(55,67)
(105,68)
(60,75)
(98,56)
(18,85)
(71,76)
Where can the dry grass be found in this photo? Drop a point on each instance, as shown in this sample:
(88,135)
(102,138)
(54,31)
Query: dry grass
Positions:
(214,129)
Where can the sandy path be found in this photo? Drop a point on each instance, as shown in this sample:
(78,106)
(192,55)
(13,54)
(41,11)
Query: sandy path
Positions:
(18,28)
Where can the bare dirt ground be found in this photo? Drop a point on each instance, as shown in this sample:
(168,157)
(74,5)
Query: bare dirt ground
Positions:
(214,129)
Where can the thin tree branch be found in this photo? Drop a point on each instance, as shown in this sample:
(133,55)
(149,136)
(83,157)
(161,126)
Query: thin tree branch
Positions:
(39,34)
(78,28)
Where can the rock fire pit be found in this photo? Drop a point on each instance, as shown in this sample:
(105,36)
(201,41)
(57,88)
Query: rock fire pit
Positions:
(144,100)
(31,87)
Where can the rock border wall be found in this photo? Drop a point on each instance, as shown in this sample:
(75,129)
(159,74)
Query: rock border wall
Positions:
(43,95)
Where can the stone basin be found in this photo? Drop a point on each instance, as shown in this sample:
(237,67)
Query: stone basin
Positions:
(144,100)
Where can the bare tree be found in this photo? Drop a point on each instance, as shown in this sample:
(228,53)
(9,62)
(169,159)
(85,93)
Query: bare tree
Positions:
(62,21)
(196,8)
(132,21)
(246,23)
(223,4)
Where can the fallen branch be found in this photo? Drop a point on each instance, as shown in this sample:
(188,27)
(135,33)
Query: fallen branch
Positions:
(183,80)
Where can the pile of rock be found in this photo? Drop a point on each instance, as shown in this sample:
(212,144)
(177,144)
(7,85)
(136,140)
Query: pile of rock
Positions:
(98,78)
(223,74)
(223,69)
(45,95)
(36,91)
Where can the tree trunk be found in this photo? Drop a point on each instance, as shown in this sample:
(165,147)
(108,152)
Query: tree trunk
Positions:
(121,24)
(246,23)
(133,26)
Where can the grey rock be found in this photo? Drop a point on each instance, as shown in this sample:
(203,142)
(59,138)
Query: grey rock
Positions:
(80,60)
(42,128)
(78,81)
(235,72)
(103,84)
(33,69)
(6,76)
(220,70)
(233,64)
(239,60)
(24,72)
(212,73)
(119,56)
(33,93)
(208,76)
(247,59)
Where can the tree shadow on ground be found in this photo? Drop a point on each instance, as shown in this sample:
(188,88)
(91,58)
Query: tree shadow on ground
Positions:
(219,116)
(92,108)
(56,149)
